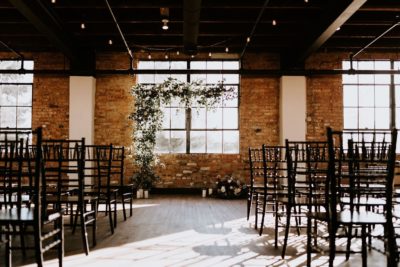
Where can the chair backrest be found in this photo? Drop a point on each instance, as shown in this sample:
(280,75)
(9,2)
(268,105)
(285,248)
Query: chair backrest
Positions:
(20,169)
(117,164)
(104,156)
(256,166)
(307,168)
(359,159)
(64,163)
(274,167)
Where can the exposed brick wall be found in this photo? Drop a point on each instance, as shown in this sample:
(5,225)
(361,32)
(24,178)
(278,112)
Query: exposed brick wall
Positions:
(259,110)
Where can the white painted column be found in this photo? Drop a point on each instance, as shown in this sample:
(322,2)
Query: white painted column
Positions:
(293,103)
(82,90)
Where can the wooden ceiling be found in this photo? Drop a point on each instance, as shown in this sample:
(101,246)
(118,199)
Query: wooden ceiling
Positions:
(302,27)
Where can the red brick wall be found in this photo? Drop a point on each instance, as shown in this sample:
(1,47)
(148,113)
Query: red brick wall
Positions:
(259,110)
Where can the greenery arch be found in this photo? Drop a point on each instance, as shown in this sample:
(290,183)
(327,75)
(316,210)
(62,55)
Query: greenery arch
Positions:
(147,117)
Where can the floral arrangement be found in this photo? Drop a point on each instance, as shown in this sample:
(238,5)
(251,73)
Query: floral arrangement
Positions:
(229,187)
(147,116)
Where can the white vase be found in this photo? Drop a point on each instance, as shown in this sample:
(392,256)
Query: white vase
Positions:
(204,193)
(210,191)
(139,193)
(146,193)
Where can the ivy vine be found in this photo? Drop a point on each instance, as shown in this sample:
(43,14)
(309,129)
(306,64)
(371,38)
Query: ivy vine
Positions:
(147,117)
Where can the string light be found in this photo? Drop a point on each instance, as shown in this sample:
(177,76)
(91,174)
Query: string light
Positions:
(166,56)
(192,56)
(177,53)
(248,39)
(149,56)
(83,26)
(274,22)
(209,54)
(227,49)
(110,42)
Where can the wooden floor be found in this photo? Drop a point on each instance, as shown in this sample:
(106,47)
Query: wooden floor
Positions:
(189,231)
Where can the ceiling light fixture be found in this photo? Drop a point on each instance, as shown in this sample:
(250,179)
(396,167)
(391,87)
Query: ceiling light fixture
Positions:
(53,1)
(149,56)
(166,56)
(227,49)
(165,24)
(274,22)
(110,42)
(305,1)
(83,26)
(338,29)
(164,12)
(192,56)
(209,54)
(248,39)
(177,53)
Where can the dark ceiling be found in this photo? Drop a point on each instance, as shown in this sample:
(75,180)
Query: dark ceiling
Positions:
(302,26)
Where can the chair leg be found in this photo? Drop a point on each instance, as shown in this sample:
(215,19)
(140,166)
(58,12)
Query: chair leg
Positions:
(61,245)
(84,232)
(22,239)
(309,241)
(348,245)
(131,205)
(8,257)
(123,206)
(249,202)
(263,214)
(364,244)
(287,228)
(256,212)
(38,249)
(115,212)
(332,244)
(108,207)
(276,224)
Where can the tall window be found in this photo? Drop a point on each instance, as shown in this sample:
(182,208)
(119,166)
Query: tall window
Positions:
(197,129)
(15,95)
(366,97)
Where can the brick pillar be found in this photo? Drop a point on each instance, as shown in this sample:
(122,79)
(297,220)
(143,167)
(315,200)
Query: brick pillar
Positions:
(82,91)
(292,108)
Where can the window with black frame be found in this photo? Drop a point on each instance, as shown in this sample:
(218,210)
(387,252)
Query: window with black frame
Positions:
(197,129)
(371,101)
(15,94)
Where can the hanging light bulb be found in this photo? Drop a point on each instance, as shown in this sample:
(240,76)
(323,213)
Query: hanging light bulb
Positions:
(165,24)
(209,54)
(149,56)
(192,56)
(274,22)
(305,1)
(177,53)
(166,56)
(227,49)
(83,26)
(53,1)
(248,39)
(110,42)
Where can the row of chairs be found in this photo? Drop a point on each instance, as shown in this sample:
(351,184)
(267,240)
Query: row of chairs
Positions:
(74,179)
(341,185)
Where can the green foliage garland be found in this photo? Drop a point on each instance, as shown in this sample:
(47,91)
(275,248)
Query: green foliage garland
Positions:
(147,116)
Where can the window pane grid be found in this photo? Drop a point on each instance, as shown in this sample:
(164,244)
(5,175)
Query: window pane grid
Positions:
(207,131)
(15,95)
